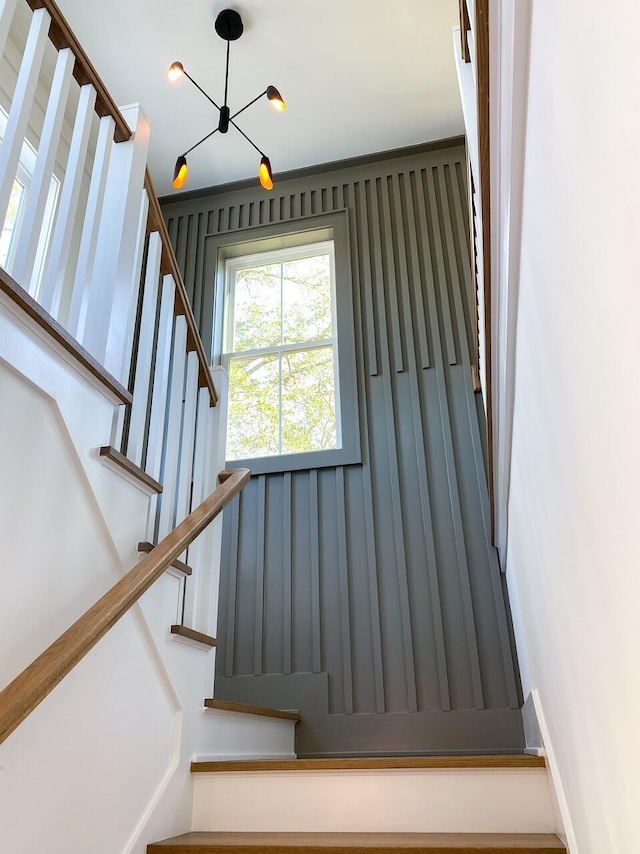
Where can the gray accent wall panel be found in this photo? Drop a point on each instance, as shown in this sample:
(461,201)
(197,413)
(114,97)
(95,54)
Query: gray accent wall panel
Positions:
(369,596)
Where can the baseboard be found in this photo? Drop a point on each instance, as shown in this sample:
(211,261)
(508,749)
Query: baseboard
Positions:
(561,807)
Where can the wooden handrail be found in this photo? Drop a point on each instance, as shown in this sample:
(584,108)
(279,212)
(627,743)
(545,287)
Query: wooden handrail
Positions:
(183,306)
(59,334)
(481,34)
(61,35)
(31,687)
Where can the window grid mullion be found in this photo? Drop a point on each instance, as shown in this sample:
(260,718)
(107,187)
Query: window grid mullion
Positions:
(280,356)
(285,348)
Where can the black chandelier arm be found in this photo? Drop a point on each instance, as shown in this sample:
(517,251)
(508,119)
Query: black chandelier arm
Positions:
(246,106)
(226,75)
(247,138)
(200,89)
(204,139)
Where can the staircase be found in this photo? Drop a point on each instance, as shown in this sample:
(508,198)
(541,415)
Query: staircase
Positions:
(359,843)
(382,804)
(102,347)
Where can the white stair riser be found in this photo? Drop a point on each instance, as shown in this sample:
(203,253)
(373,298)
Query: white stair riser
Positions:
(437,801)
(240,736)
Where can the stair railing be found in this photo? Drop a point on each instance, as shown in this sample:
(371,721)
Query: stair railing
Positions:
(89,260)
(94,265)
(31,687)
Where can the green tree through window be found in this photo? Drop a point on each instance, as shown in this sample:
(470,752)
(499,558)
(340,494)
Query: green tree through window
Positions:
(280,351)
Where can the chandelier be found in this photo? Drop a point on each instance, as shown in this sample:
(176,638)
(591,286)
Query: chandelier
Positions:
(229,27)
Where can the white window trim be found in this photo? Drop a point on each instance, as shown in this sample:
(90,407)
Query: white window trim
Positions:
(307,231)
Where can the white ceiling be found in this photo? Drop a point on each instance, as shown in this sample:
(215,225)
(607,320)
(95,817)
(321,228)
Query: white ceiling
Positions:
(358,76)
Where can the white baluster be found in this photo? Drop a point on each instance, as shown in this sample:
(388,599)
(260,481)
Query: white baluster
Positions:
(31,226)
(7,8)
(153,461)
(21,105)
(50,292)
(185,465)
(106,324)
(139,407)
(153,456)
(127,330)
(86,254)
(171,451)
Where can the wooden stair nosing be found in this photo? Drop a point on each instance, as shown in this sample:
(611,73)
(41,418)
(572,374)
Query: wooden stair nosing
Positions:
(247,709)
(176,564)
(192,634)
(372,763)
(358,843)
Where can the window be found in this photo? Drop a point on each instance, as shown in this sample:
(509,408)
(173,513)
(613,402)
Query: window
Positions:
(280,352)
(15,212)
(16,204)
(283,329)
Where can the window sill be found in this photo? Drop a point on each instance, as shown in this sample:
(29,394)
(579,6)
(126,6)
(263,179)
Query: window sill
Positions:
(299,462)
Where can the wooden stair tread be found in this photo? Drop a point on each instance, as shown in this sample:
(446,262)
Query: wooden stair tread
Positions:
(176,564)
(247,709)
(115,457)
(192,634)
(373,763)
(358,843)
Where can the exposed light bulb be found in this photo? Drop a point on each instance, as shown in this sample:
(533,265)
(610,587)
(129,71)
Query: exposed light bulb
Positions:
(265,174)
(275,98)
(176,70)
(180,172)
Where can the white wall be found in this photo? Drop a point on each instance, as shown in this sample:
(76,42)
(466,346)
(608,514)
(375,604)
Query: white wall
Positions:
(573,542)
(102,764)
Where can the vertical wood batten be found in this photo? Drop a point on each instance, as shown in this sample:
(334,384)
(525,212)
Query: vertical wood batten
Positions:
(439,275)
(258,641)
(364,267)
(287,575)
(232,590)
(345,599)
(193,596)
(22,103)
(314,547)
(50,292)
(416,278)
(457,196)
(27,246)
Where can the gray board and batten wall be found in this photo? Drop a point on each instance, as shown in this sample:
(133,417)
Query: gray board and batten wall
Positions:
(368,595)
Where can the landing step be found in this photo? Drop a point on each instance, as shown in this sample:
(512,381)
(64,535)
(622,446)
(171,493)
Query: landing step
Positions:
(178,565)
(247,709)
(373,763)
(359,843)
(192,635)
